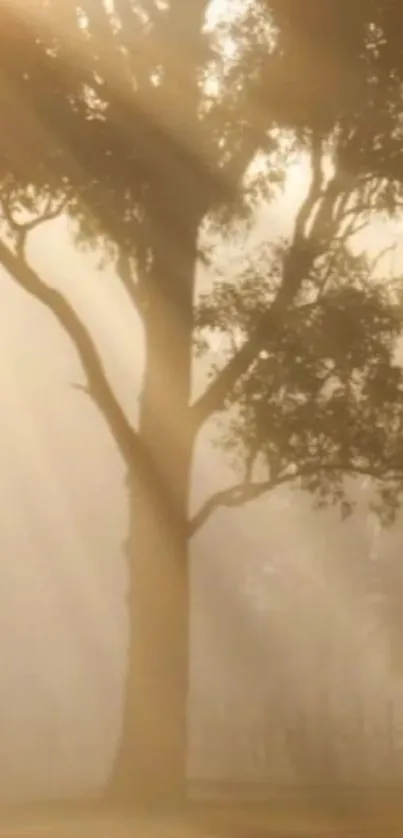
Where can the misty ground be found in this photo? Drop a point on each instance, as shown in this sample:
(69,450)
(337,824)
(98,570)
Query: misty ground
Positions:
(373,814)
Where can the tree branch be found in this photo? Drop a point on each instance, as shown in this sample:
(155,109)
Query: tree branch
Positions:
(244,492)
(315,188)
(98,386)
(125,273)
(379,257)
(296,266)
(21,230)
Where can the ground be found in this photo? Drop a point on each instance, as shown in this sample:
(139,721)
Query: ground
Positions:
(365,819)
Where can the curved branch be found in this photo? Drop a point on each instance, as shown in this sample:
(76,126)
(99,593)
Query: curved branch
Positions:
(235,495)
(241,493)
(297,265)
(98,386)
(125,273)
(51,210)
(315,188)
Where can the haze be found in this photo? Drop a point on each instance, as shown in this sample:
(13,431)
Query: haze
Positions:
(62,574)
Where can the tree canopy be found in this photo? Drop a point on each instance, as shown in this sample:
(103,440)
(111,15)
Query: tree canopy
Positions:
(112,109)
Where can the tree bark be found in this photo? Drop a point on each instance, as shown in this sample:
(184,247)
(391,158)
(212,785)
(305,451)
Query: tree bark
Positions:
(150,767)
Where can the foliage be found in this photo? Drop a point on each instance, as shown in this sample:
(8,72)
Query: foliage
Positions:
(325,392)
(101,124)
(97,92)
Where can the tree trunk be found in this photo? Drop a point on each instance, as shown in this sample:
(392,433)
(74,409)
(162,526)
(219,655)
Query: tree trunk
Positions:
(151,761)
(151,764)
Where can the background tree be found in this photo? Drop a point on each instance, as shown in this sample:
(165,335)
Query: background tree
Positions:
(145,120)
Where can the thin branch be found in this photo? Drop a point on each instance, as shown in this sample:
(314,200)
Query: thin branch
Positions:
(385,251)
(236,495)
(98,386)
(325,223)
(351,229)
(125,274)
(314,193)
(241,493)
(21,230)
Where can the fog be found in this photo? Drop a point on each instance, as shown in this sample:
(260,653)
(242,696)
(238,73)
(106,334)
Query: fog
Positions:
(277,609)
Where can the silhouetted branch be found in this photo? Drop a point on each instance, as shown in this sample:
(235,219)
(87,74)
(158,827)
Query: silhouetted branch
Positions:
(244,492)
(52,209)
(314,193)
(297,264)
(98,386)
(125,273)
(341,241)
(385,251)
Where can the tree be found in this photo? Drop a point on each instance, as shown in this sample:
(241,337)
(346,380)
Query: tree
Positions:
(144,121)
